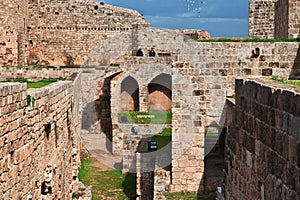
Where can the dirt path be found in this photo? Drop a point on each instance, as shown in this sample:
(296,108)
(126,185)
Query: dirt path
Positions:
(96,146)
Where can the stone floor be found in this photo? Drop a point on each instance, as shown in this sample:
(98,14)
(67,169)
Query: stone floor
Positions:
(96,146)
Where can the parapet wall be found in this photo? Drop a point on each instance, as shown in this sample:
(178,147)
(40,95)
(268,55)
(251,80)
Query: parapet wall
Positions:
(39,147)
(263,142)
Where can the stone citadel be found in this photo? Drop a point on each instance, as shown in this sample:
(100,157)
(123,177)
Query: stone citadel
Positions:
(93,44)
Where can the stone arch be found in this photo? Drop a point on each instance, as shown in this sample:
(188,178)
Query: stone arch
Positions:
(160,93)
(129,94)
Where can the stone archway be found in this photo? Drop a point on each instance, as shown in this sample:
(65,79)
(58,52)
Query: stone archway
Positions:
(160,93)
(129,94)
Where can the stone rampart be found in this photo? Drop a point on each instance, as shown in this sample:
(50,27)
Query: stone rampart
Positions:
(263,142)
(64,33)
(39,146)
(58,32)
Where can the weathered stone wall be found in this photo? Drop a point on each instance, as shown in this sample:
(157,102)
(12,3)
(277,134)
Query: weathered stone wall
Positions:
(39,146)
(64,32)
(35,73)
(162,182)
(294,19)
(263,157)
(261,18)
(282,19)
(59,32)
(13,34)
(77,101)
(202,75)
(287,20)
(274,19)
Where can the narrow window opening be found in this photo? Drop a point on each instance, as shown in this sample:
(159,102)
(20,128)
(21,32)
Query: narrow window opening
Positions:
(47,128)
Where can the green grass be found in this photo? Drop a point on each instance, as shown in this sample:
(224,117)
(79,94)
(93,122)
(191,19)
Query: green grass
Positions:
(212,135)
(110,184)
(34,84)
(292,82)
(163,138)
(248,40)
(185,196)
(161,117)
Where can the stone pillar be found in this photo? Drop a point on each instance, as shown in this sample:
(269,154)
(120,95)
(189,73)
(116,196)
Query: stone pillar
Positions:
(188,161)
(143,91)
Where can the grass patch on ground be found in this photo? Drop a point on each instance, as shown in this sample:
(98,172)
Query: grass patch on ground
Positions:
(248,40)
(186,196)
(34,84)
(212,135)
(163,138)
(134,117)
(110,184)
(291,82)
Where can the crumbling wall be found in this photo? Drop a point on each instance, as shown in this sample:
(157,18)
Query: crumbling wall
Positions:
(39,152)
(263,143)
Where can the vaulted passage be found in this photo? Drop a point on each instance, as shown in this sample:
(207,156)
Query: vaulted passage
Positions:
(129,94)
(160,93)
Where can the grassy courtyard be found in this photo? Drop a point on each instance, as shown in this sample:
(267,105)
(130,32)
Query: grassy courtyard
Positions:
(107,184)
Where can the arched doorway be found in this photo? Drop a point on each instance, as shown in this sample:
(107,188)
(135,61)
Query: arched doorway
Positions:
(160,93)
(129,94)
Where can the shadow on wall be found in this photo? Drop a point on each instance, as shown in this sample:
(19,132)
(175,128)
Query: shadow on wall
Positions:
(96,116)
(129,94)
(214,164)
(129,185)
(214,159)
(295,72)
